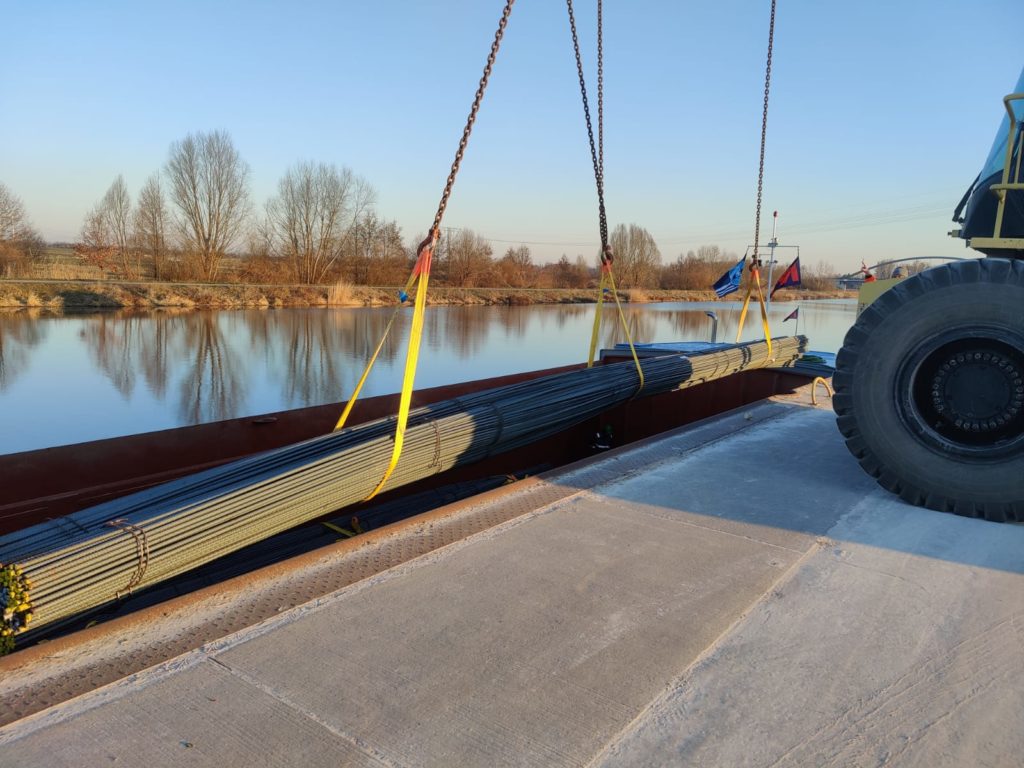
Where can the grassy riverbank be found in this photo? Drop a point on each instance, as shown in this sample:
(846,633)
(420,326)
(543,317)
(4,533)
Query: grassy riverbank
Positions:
(58,295)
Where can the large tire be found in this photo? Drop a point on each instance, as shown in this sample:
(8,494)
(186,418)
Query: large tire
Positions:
(929,389)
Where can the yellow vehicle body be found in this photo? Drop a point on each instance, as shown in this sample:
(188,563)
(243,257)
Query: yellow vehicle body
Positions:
(870,291)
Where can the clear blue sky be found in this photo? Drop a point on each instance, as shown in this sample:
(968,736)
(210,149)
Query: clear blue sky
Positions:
(882,111)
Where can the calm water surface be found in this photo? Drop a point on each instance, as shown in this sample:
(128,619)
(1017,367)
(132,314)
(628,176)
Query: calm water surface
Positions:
(69,378)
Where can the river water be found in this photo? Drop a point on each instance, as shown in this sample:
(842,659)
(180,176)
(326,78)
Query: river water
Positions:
(73,377)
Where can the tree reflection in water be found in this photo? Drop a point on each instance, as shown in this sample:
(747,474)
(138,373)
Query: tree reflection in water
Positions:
(124,344)
(165,345)
(312,344)
(696,326)
(361,331)
(213,386)
(515,320)
(19,332)
(317,354)
(155,355)
(111,343)
(458,328)
(172,367)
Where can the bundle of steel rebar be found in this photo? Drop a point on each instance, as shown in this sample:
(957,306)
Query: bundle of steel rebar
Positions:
(95,556)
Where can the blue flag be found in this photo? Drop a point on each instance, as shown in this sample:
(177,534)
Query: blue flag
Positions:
(730,281)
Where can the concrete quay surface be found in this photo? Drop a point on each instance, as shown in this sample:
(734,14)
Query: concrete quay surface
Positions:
(737,593)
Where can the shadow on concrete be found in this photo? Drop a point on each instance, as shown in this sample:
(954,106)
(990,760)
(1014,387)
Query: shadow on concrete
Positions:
(793,473)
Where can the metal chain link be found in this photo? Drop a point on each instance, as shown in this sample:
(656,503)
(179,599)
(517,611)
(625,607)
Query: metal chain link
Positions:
(436,228)
(755,261)
(597,158)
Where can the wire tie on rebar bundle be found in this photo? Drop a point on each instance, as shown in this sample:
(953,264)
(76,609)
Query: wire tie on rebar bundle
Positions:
(499,426)
(436,461)
(141,551)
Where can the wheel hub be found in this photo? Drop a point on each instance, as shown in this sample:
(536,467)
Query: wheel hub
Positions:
(978,391)
(966,394)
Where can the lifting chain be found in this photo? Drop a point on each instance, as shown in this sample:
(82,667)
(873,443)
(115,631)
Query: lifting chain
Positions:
(436,228)
(596,151)
(754,284)
(755,261)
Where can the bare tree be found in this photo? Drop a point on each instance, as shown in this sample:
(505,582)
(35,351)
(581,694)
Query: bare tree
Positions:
(515,269)
(884,270)
(391,262)
(19,242)
(313,215)
(637,258)
(375,252)
(820,277)
(259,239)
(106,238)
(587,272)
(467,257)
(698,270)
(116,208)
(95,245)
(262,266)
(674,275)
(151,223)
(567,274)
(209,188)
(13,221)
(95,233)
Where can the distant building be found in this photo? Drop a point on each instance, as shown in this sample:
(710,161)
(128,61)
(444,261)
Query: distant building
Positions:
(851,283)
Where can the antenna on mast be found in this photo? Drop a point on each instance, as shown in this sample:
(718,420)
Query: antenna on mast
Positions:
(771,252)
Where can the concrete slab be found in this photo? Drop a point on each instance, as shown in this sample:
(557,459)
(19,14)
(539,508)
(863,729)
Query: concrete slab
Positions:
(527,646)
(777,476)
(751,599)
(202,716)
(904,651)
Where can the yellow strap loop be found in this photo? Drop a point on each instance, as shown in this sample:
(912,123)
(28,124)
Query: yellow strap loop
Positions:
(625,329)
(755,281)
(597,320)
(366,372)
(608,283)
(412,357)
(373,359)
(420,276)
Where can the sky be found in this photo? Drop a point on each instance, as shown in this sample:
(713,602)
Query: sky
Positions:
(881,112)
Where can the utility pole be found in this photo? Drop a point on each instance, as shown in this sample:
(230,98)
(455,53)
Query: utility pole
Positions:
(771,254)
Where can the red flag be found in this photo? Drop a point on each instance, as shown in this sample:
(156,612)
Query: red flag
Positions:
(792,315)
(789,278)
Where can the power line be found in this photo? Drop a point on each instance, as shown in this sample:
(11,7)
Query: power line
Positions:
(854,221)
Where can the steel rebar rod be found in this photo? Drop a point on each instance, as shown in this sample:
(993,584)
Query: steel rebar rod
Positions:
(92,557)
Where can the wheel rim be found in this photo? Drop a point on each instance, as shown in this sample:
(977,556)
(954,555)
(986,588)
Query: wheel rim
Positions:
(962,393)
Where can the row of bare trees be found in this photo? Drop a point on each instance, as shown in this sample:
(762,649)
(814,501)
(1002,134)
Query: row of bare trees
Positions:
(201,197)
(199,209)
(314,217)
(466,259)
(320,226)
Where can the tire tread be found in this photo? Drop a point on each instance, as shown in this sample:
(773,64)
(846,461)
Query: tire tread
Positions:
(988,270)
